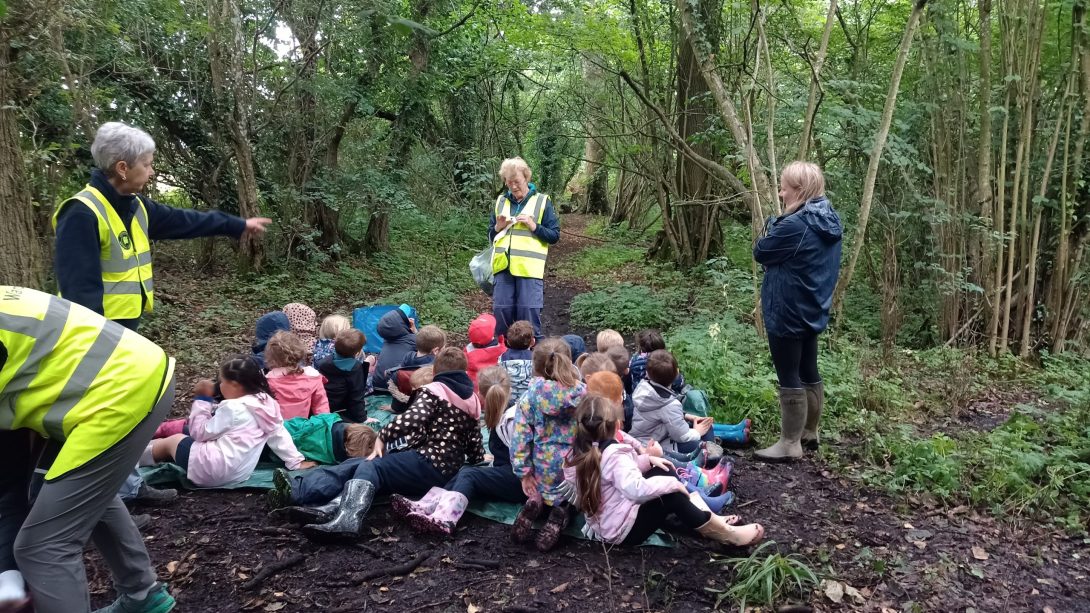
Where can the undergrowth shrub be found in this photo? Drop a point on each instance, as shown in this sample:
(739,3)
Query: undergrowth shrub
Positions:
(626,308)
(766,578)
(602,260)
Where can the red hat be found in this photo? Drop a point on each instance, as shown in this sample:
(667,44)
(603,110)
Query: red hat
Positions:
(483,329)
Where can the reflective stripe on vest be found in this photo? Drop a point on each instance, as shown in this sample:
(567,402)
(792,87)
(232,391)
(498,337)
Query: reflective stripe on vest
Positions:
(73,376)
(523,252)
(125,253)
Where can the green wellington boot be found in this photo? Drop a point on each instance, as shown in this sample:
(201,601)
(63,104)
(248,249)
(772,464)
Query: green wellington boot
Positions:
(792,421)
(815,402)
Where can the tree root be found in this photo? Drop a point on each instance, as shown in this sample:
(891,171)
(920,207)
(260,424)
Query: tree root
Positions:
(272,569)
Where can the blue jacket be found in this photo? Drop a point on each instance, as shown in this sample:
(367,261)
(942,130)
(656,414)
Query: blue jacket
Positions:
(549,228)
(398,343)
(77,261)
(801,256)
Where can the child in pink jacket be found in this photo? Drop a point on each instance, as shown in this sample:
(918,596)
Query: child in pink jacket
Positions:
(299,388)
(635,492)
(225,441)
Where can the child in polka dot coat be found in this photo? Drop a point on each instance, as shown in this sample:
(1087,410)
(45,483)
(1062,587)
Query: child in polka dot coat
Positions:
(421,449)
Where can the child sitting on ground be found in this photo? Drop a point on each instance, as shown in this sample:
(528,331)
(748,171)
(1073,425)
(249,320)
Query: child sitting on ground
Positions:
(440,509)
(327,439)
(484,349)
(299,389)
(430,340)
(626,496)
(267,325)
(595,362)
(543,433)
(327,332)
(346,377)
(658,411)
(646,342)
(422,448)
(518,359)
(398,332)
(619,356)
(304,323)
(577,345)
(225,441)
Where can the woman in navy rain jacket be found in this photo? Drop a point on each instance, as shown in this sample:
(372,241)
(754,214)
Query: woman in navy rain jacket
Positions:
(801,257)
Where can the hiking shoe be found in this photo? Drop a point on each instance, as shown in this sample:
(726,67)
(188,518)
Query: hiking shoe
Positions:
(280,494)
(524,523)
(141,520)
(549,535)
(152,496)
(158,600)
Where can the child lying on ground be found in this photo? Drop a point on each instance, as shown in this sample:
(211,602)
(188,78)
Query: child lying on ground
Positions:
(423,448)
(346,377)
(299,389)
(626,496)
(225,441)
(327,439)
(440,509)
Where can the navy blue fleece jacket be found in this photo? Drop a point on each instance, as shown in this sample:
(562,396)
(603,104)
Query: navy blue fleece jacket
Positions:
(77,262)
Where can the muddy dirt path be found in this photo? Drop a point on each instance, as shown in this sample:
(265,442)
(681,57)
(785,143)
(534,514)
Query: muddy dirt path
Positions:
(900,555)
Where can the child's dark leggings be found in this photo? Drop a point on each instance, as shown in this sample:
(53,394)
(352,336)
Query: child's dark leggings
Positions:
(488,483)
(795,360)
(652,513)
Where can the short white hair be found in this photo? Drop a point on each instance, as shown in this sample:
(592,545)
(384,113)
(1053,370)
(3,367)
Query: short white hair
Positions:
(512,165)
(118,142)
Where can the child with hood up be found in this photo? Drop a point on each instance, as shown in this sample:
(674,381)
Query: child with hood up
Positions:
(398,332)
(267,325)
(422,448)
(304,323)
(484,349)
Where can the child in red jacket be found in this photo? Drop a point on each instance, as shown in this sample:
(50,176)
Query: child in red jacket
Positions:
(484,349)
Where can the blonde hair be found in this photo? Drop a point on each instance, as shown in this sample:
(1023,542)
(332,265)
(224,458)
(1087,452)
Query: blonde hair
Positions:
(285,350)
(806,178)
(552,360)
(595,362)
(359,440)
(512,165)
(608,338)
(421,376)
(495,386)
(332,325)
(429,338)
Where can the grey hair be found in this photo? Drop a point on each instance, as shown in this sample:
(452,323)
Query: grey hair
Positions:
(512,165)
(118,142)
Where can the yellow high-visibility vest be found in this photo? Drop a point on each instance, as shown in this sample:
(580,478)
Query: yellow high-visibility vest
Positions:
(516,248)
(125,255)
(72,375)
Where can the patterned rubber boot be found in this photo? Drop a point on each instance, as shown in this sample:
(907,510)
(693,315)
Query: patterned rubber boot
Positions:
(550,532)
(403,506)
(449,509)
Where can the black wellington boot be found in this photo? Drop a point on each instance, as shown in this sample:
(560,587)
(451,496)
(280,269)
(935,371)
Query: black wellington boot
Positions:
(356,501)
(313,515)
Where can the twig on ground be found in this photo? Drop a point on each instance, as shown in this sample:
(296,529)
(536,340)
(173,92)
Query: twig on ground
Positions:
(272,569)
(394,571)
(471,564)
(235,517)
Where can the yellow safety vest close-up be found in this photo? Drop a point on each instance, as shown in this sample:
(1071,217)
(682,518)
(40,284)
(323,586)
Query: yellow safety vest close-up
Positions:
(125,254)
(516,248)
(73,376)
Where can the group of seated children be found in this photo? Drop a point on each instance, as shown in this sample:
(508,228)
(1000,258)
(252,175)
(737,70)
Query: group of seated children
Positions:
(559,437)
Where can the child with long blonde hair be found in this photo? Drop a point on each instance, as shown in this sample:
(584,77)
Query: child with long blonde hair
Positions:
(544,427)
(626,496)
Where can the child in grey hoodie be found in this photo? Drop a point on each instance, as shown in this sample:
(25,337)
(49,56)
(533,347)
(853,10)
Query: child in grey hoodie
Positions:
(658,412)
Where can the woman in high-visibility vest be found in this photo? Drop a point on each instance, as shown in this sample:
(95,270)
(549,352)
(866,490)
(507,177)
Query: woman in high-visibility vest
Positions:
(99,390)
(522,227)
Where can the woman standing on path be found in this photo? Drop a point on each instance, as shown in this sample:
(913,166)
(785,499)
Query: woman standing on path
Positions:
(801,257)
(523,225)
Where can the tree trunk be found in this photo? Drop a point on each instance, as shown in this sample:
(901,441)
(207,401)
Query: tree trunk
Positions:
(586,190)
(815,82)
(21,261)
(228,81)
(876,153)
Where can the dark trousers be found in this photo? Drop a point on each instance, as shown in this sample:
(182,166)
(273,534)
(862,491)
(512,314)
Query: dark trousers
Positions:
(488,483)
(517,299)
(406,472)
(691,446)
(652,513)
(795,360)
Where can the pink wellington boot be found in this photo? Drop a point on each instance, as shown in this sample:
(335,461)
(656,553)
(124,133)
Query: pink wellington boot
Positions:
(451,507)
(169,427)
(404,507)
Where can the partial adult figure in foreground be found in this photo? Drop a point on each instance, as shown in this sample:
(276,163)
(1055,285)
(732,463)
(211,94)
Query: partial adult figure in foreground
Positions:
(801,257)
(104,233)
(97,390)
(523,225)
